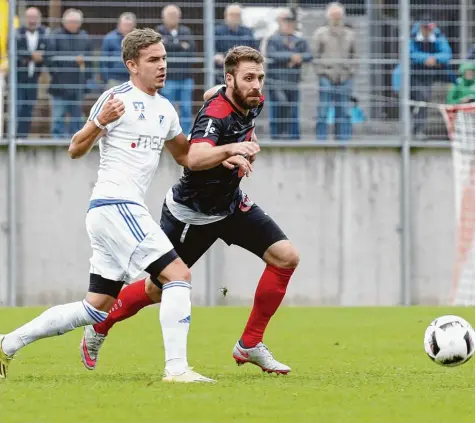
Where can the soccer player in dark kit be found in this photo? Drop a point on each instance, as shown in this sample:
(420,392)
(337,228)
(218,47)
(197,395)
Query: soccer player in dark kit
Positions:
(207,203)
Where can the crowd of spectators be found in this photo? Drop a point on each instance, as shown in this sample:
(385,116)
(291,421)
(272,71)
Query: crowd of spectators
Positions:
(66,54)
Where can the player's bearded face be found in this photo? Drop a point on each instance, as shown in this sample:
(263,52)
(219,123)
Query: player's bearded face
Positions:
(247,97)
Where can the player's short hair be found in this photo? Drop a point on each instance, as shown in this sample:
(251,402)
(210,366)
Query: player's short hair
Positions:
(138,40)
(239,54)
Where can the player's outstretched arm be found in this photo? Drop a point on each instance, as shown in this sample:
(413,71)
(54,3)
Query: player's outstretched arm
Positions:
(203,156)
(84,139)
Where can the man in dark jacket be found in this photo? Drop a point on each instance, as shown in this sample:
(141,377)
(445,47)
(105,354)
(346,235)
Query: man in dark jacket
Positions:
(113,71)
(180,46)
(230,34)
(286,52)
(31,45)
(68,48)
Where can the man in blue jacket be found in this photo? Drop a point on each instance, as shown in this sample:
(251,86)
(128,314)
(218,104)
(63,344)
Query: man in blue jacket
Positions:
(180,45)
(113,71)
(31,45)
(286,52)
(430,54)
(230,34)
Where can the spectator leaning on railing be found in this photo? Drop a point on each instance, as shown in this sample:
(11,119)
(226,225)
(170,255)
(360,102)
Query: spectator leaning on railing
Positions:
(333,47)
(180,44)
(31,44)
(113,72)
(66,52)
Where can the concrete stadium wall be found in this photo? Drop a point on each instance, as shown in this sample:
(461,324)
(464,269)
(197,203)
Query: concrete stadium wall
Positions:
(341,209)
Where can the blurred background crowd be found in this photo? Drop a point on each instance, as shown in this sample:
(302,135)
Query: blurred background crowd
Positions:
(333,70)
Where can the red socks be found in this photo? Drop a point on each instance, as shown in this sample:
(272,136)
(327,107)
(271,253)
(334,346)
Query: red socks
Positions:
(268,297)
(131,299)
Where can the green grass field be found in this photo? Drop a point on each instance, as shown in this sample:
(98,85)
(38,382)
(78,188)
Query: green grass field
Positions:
(349,365)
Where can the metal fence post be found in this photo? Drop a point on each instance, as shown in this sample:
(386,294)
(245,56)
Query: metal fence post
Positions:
(209,53)
(209,41)
(463,24)
(12,150)
(406,125)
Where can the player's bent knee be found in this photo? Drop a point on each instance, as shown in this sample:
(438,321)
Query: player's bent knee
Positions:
(282,254)
(156,268)
(290,259)
(176,271)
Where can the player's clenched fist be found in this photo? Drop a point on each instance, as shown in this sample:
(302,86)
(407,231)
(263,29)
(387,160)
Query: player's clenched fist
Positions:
(111,111)
(246,148)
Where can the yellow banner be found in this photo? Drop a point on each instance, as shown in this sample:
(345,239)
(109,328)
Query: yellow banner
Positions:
(4,33)
(3,30)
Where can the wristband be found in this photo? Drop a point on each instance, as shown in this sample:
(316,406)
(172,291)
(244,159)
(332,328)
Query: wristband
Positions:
(96,122)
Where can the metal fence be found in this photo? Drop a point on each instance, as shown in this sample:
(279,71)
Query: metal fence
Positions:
(370,87)
(348,87)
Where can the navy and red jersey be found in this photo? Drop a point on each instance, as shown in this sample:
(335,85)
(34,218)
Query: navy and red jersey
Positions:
(216,191)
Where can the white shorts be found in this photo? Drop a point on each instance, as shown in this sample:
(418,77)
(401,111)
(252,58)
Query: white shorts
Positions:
(125,239)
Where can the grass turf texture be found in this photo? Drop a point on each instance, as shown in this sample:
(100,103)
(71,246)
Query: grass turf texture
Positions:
(349,365)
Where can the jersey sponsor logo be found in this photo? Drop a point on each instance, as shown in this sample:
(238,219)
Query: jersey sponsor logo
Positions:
(148,142)
(141,116)
(138,106)
(209,129)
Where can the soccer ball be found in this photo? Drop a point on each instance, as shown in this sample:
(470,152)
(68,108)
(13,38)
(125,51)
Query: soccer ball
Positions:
(449,341)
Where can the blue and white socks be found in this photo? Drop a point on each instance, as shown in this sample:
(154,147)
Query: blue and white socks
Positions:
(54,321)
(175,311)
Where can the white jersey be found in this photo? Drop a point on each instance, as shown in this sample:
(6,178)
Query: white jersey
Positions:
(130,149)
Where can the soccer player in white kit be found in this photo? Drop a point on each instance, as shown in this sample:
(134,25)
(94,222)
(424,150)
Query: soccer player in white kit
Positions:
(133,124)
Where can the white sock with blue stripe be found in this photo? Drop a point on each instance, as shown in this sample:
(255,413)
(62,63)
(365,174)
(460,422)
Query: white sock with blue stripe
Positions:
(54,321)
(175,311)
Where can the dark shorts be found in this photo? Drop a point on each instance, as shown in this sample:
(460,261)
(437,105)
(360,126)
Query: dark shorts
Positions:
(252,230)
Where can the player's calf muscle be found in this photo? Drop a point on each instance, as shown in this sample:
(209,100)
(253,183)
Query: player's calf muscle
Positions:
(153,291)
(102,292)
(100,302)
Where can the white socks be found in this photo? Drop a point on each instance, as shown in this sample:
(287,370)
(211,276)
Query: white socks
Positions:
(54,321)
(175,310)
